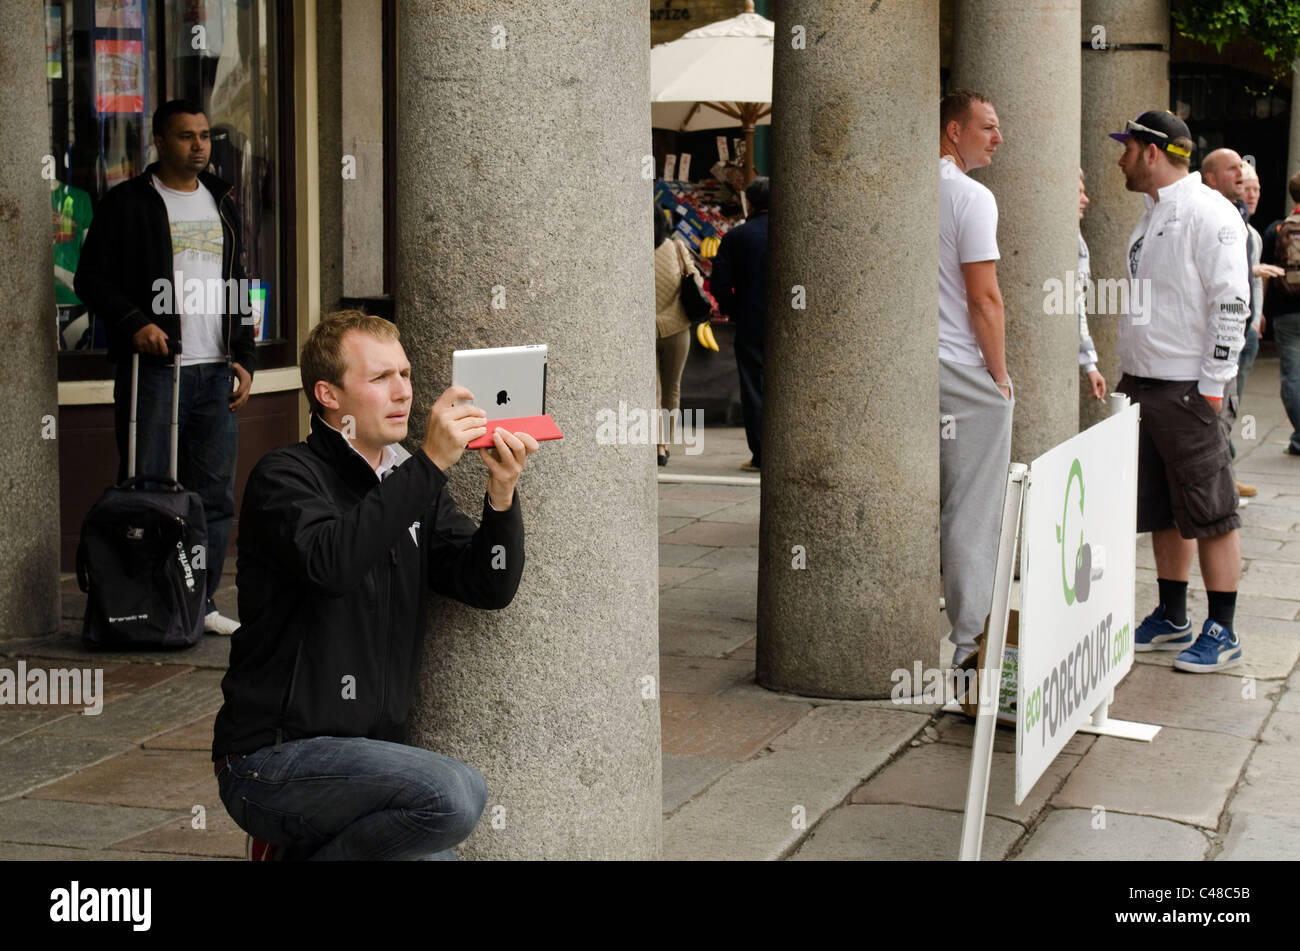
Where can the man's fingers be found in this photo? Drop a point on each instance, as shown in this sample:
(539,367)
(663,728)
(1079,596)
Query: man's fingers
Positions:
(529,442)
(450,395)
(465,411)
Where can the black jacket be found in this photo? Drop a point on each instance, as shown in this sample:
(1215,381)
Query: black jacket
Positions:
(129,247)
(739,278)
(334,568)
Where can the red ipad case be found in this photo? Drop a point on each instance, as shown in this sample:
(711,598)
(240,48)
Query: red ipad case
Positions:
(540,428)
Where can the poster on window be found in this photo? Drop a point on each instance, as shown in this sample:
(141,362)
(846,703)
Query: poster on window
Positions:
(53,42)
(119,14)
(119,76)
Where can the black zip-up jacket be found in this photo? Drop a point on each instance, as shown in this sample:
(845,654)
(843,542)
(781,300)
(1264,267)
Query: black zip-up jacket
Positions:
(334,569)
(129,247)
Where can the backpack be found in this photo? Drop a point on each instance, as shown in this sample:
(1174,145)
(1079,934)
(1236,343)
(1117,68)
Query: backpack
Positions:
(1287,251)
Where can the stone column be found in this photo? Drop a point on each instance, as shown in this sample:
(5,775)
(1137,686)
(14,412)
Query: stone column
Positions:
(1285,204)
(525,196)
(29,400)
(1024,55)
(849,542)
(1120,81)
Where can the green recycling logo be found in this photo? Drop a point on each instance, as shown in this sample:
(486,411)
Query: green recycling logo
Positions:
(1089,561)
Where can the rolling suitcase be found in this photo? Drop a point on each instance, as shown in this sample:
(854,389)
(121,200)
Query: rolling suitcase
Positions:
(142,555)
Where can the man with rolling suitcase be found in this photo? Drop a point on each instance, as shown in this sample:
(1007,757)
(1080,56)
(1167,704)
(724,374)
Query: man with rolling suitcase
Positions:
(163,259)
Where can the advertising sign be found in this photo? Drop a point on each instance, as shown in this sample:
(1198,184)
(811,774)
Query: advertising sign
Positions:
(1077,559)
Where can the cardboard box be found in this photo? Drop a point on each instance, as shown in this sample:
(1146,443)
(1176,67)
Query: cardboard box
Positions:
(1010,668)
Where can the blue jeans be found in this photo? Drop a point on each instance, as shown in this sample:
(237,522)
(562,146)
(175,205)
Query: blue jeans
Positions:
(1286,332)
(352,798)
(1249,351)
(207,442)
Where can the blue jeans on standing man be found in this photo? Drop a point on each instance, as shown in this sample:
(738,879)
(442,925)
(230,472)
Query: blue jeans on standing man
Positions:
(1286,332)
(352,798)
(207,442)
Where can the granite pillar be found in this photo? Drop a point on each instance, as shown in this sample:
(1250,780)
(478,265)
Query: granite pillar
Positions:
(524,183)
(29,401)
(849,541)
(1125,73)
(1024,55)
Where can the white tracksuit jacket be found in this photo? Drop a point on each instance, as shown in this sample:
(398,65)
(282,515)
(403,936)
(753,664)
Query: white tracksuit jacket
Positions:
(1191,246)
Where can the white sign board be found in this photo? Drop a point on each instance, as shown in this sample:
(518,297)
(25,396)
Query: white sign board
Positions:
(1078,546)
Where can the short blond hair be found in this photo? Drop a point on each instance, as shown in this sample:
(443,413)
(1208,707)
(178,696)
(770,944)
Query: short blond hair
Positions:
(1248,172)
(322,355)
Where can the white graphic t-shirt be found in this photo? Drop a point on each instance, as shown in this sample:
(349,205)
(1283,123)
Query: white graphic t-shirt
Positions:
(968,232)
(199,295)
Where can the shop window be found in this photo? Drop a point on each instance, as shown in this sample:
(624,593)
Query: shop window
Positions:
(109,65)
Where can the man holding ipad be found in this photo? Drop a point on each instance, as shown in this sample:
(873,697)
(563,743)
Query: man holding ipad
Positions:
(341,538)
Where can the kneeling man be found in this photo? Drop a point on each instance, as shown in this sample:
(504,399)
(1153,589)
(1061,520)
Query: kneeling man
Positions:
(340,539)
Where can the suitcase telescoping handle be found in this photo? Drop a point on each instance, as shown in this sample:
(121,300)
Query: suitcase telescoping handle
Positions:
(174,346)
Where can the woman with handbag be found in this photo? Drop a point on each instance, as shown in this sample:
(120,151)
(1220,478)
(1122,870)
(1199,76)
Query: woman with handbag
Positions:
(673,269)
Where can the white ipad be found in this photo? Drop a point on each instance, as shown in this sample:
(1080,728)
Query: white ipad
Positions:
(507,382)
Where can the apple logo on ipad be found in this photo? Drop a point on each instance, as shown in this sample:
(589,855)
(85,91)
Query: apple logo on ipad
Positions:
(502,398)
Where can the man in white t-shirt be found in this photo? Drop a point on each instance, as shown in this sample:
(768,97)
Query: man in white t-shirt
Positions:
(162,262)
(975,395)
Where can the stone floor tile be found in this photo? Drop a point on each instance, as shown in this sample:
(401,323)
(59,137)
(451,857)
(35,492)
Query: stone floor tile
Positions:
(720,493)
(851,726)
(30,761)
(1254,838)
(76,825)
(16,852)
(900,833)
(155,779)
(731,729)
(140,716)
(935,775)
(687,632)
(747,650)
(697,508)
(1289,702)
(729,580)
(729,558)
(191,736)
(671,524)
(698,602)
(1265,656)
(219,837)
(1073,835)
(717,534)
(1269,579)
(685,776)
(953,728)
(1283,728)
(1211,702)
(670,577)
(705,676)
(1271,784)
(671,556)
(212,651)
(16,721)
(741,512)
(1184,775)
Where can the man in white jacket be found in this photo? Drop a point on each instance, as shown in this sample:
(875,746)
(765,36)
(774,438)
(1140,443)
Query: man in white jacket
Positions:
(1176,357)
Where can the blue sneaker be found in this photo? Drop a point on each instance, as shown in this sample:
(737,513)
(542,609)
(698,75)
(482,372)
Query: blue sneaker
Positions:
(1216,649)
(1157,634)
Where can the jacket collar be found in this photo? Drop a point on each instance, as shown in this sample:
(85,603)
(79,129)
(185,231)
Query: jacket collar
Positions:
(1189,181)
(329,444)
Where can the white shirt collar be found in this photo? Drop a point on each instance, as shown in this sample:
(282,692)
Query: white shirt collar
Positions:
(387,458)
(1190,180)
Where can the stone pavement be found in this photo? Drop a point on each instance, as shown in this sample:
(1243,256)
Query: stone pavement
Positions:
(751,774)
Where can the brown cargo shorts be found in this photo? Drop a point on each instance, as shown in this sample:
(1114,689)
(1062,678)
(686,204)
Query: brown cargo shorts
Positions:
(1185,478)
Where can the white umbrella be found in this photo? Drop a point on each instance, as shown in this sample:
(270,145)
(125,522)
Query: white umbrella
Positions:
(717,76)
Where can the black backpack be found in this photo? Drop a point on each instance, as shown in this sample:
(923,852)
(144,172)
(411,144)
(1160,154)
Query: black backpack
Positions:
(142,558)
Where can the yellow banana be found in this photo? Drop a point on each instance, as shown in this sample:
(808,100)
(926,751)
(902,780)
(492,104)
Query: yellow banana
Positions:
(704,334)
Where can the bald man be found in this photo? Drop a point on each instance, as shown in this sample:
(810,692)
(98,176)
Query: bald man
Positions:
(1224,171)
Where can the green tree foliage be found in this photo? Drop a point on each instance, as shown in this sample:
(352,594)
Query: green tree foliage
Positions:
(1273,24)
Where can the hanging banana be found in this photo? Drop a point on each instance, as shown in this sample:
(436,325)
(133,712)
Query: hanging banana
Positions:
(704,336)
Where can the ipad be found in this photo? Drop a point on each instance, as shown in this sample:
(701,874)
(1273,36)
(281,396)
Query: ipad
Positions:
(507,382)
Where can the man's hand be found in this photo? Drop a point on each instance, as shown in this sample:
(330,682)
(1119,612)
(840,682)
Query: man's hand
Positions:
(150,339)
(1097,384)
(1267,270)
(1259,327)
(241,393)
(450,427)
(505,463)
(1216,403)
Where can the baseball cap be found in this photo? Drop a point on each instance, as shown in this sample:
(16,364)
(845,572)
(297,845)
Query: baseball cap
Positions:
(1157,127)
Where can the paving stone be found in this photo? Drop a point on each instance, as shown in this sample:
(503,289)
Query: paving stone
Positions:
(900,833)
(741,512)
(717,534)
(672,576)
(211,651)
(671,556)
(1147,597)
(1258,547)
(705,676)
(1249,625)
(15,721)
(1290,701)
(16,852)
(1283,727)
(156,779)
(1184,775)
(1270,784)
(729,558)
(696,508)
(1254,838)
(733,729)
(220,837)
(1288,551)
(936,775)
(670,524)
(960,730)
(1070,835)
(747,650)
(721,493)
(1265,656)
(1270,579)
(83,682)
(192,736)
(850,726)
(74,824)
(698,602)
(730,580)
(684,776)
(1211,702)
(683,631)
(761,809)
(30,761)
(140,716)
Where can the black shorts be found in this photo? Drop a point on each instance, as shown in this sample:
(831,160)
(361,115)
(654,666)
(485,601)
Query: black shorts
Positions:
(1185,478)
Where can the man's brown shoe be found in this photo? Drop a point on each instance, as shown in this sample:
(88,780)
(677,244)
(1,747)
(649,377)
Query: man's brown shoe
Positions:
(1246,491)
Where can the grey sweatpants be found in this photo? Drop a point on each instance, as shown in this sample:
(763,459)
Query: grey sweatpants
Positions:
(974,451)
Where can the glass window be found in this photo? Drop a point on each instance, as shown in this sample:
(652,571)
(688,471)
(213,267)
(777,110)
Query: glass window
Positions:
(109,65)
